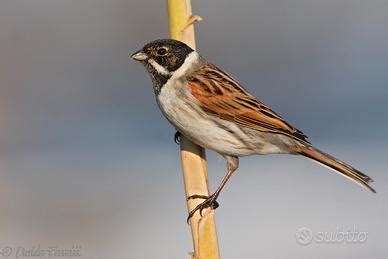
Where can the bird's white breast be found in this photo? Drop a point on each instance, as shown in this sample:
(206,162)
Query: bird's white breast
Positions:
(179,107)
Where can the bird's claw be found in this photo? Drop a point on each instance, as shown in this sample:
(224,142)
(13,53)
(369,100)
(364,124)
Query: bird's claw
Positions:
(177,137)
(209,202)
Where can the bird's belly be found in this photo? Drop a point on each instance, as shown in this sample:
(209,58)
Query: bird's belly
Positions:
(210,131)
(224,137)
(207,133)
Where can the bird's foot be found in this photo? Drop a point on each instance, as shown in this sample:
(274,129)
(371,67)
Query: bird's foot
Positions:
(209,202)
(177,137)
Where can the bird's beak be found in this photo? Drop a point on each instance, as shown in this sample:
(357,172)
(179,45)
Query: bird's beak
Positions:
(139,56)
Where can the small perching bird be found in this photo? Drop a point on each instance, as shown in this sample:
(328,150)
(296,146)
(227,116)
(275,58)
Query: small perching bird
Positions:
(213,110)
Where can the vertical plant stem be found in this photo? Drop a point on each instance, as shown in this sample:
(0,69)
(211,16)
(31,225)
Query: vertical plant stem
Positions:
(193,157)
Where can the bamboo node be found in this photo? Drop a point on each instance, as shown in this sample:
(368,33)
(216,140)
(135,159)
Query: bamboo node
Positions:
(192,19)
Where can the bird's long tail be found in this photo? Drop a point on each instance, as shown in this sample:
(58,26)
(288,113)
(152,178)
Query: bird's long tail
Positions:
(337,165)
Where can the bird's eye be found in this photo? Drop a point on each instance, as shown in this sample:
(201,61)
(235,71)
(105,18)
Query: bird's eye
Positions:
(162,51)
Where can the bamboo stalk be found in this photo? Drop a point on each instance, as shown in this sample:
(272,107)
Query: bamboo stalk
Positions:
(203,229)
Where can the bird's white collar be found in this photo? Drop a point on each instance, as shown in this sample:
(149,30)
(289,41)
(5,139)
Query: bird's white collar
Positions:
(187,64)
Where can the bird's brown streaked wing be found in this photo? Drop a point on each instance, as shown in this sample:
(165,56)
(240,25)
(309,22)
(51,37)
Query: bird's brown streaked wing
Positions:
(219,94)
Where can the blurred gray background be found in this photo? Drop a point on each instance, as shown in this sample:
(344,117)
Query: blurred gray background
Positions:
(87,159)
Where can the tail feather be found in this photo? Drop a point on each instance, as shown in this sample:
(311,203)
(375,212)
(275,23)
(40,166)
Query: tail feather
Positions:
(337,165)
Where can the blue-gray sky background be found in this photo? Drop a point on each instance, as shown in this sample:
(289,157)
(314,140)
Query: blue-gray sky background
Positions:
(87,159)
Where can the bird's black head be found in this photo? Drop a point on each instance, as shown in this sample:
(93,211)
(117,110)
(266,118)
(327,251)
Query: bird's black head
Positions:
(162,58)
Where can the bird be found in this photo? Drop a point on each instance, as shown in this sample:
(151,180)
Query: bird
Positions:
(213,110)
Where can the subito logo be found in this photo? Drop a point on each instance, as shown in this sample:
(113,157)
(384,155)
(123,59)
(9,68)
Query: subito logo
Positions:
(304,236)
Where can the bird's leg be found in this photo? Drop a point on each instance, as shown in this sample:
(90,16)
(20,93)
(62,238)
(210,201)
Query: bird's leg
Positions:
(177,137)
(211,201)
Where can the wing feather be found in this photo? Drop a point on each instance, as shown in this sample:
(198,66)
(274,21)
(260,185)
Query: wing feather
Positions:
(219,94)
